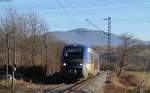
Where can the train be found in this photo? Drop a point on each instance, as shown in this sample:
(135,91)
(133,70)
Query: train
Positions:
(79,60)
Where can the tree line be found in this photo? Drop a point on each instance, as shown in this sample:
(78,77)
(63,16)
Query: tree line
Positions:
(24,42)
(132,55)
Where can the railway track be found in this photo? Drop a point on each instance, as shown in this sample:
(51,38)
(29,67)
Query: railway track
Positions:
(54,88)
(79,85)
(67,88)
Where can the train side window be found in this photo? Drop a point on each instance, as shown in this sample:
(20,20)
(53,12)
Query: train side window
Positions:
(89,58)
(66,54)
(92,58)
(96,62)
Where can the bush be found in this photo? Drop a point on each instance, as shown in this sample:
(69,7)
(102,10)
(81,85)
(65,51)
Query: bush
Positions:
(133,91)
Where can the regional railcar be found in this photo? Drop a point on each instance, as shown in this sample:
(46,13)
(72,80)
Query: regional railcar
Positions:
(79,60)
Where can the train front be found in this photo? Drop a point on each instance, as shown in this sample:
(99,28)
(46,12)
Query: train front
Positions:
(72,60)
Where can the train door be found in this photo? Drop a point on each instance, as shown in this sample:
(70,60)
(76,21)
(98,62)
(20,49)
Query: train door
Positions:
(92,63)
(88,65)
(96,64)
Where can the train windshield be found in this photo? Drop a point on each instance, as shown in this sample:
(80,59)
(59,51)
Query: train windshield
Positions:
(73,52)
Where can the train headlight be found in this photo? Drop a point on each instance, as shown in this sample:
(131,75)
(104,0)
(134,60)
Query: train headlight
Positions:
(89,50)
(64,64)
(81,64)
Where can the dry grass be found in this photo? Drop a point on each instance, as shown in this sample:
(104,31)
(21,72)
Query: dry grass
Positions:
(127,81)
(21,86)
(3,83)
(142,76)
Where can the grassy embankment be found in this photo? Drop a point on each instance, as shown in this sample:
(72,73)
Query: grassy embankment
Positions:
(129,82)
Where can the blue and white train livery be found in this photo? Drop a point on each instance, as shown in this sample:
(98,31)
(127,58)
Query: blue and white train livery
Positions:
(79,60)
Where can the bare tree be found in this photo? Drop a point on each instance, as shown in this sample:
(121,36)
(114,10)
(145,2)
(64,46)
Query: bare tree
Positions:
(23,42)
(124,52)
(9,28)
(35,25)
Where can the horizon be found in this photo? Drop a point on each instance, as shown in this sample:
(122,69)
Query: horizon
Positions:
(127,16)
(91,30)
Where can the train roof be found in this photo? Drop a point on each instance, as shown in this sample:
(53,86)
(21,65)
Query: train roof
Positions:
(76,45)
(82,46)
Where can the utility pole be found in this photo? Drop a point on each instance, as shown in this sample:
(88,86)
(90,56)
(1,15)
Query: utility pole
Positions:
(108,77)
(143,77)
(14,55)
(7,64)
(34,48)
(14,47)
(46,56)
(13,76)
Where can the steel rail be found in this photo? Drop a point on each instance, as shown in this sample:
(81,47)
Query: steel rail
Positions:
(80,84)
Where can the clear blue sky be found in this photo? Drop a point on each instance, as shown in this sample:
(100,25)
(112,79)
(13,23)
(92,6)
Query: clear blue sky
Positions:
(132,16)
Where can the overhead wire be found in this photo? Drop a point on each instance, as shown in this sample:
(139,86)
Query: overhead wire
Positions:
(107,5)
(133,20)
(68,14)
(85,20)
(94,25)
(75,10)
(97,5)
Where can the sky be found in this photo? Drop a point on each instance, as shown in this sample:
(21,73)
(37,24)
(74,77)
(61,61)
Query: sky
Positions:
(128,16)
